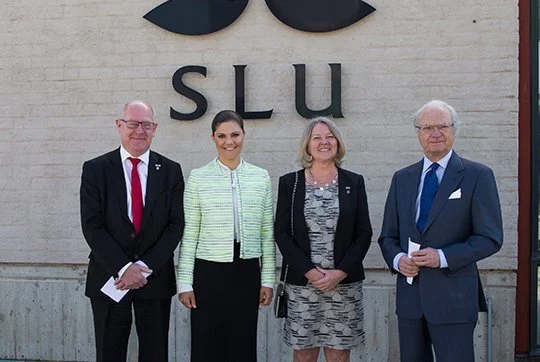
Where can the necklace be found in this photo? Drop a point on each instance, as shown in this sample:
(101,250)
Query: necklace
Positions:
(322,185)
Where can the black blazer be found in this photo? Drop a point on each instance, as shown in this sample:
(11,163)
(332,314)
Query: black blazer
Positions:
(353,230)
(111,235)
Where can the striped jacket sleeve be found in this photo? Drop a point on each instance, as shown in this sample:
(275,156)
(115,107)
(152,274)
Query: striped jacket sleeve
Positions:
(268,247)
(188,246)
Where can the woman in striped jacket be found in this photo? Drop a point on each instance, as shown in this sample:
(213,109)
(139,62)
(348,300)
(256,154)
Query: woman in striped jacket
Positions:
(227,256)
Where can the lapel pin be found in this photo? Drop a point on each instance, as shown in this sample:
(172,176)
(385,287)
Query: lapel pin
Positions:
(348,189)
(158,166)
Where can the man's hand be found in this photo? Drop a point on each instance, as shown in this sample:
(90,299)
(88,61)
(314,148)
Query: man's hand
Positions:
(265,296)
(428,257)
(408,267)
(330,280)
(188,299)
(132,277)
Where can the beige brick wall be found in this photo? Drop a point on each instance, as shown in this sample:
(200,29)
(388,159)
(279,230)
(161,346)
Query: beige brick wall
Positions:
(66,66)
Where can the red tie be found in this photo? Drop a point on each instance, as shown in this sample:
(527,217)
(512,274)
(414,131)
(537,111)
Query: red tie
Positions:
(136,196)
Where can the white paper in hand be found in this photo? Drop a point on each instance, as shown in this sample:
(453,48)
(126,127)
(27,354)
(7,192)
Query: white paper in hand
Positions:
(412,247)
(116,294)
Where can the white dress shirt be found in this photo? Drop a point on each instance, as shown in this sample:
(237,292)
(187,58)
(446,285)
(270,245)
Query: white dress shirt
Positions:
(142,168)
(443,164)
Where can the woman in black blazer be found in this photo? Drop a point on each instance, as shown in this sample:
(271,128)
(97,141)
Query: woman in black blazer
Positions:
(323,240)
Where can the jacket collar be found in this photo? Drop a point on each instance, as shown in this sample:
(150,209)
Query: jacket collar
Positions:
(225,170)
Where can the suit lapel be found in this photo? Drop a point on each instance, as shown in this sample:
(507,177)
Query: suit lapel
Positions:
(452,177)
(298,209)
(115,173)
(346,206)
(413,182)
(153,182)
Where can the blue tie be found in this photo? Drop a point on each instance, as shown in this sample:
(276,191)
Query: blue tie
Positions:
(429,190)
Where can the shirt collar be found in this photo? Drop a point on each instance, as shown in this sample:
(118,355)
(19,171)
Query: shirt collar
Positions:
(124,155)
(443,162)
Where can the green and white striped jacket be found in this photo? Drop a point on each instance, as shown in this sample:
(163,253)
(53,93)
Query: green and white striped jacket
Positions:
(209,229)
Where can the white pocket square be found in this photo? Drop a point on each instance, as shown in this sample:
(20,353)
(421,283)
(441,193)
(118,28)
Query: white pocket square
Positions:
(455,195)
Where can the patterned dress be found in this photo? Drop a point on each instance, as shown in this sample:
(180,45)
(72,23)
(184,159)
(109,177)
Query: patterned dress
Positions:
(316,319)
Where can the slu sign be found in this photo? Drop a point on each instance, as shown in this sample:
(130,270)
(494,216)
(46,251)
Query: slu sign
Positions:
(198,17)
(333,109)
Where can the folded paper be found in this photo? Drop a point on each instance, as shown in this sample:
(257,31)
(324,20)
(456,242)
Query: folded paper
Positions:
(412,248)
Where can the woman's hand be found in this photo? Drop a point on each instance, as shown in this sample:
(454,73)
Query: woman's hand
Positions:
(313,275)
(265,296)
(330,279)
(187,299)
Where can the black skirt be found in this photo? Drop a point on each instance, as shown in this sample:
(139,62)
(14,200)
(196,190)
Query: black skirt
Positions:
(224,324)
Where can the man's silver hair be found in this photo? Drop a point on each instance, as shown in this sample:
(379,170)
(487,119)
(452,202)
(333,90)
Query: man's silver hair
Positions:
(437,104)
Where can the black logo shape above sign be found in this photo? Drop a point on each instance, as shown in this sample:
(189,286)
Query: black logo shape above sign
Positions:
(196,17)
(319,15)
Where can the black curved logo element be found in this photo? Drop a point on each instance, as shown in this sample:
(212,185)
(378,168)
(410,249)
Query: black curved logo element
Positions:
(196,17)
(319,15)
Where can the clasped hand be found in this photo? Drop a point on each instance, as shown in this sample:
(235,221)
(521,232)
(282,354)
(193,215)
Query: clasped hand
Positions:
(132,277)
(325,279)
(428,258)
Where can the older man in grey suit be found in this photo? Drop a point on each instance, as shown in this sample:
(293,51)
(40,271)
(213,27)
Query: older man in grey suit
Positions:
(448,207)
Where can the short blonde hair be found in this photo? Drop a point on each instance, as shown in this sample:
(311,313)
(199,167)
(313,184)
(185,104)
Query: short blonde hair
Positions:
(305,158)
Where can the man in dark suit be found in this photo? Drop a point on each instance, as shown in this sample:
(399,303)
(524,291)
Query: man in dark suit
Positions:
(132,218)
(450,207)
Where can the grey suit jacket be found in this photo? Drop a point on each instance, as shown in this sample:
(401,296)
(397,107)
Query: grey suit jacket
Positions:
(467,229)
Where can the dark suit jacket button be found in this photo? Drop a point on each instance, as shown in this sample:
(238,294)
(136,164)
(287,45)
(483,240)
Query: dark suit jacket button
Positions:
(132,235)
(136,257)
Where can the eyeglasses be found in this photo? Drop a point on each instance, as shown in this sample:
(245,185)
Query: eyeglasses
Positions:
(429,129)
(147,126)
